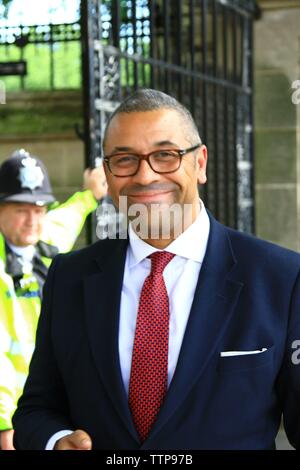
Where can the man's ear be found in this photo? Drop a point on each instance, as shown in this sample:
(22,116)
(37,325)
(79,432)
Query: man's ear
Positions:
(201,164)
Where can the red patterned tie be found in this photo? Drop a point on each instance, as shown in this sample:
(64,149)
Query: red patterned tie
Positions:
(149,367)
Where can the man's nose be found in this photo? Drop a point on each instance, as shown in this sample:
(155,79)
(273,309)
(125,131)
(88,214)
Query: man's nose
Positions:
(32,218)
(145,174)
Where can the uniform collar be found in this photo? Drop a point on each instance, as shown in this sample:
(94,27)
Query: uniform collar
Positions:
(25,252)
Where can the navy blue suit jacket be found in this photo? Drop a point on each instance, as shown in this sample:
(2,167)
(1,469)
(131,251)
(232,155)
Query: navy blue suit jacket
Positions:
(247,298)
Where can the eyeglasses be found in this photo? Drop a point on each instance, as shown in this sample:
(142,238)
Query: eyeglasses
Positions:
(160,161)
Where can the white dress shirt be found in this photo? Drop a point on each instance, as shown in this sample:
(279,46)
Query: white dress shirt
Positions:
(180,275)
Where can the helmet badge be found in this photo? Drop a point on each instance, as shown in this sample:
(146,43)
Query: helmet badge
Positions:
(31,175)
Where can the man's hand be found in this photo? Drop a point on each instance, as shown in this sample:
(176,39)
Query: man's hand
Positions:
(6,440)
(78,440)
(95,180)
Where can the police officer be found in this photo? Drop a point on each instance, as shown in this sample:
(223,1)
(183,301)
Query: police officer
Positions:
(31,234)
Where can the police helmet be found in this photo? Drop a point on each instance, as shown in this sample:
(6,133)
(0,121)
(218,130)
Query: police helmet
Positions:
(24,178)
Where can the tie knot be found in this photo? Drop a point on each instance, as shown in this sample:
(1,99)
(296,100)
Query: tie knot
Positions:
(159,261)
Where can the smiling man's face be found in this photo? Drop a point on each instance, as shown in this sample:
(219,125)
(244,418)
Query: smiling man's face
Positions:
(144,132)
(21,223)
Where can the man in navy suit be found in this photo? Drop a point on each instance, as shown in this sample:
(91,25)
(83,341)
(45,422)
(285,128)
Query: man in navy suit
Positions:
(232,361)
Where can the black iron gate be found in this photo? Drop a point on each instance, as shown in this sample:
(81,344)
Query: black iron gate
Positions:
(199,51)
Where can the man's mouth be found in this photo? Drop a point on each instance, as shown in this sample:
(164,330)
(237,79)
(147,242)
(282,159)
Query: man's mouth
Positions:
(149,196)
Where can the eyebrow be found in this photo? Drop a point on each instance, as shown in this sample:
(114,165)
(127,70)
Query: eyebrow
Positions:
(156,144)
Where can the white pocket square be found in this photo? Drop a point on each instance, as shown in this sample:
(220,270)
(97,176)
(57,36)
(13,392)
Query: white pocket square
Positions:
(241,353)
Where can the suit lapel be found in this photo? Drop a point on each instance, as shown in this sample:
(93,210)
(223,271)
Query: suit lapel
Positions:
(215,298)
(102,301)
(216,295)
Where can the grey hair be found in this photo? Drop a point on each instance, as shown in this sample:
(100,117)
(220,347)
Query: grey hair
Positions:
(146,99)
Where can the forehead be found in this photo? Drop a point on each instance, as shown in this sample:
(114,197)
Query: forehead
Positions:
(13,206)
(149,126)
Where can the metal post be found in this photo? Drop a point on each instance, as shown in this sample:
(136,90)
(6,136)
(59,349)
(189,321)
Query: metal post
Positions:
(90,32)
(245,216)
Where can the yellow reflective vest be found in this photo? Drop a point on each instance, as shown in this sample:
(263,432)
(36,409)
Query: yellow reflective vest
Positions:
(20,307)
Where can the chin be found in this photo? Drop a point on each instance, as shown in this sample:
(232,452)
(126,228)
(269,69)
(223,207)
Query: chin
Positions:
(29,241)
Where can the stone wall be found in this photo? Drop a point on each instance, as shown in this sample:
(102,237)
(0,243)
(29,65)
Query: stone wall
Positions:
(277,151)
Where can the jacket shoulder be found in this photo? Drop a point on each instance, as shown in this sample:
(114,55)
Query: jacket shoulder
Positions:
(261,251)
(83,260)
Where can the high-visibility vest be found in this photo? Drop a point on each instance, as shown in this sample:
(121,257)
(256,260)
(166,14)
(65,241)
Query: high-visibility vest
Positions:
(20,307)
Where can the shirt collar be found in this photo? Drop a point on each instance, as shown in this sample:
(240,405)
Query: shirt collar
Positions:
(191,244)
(26,252)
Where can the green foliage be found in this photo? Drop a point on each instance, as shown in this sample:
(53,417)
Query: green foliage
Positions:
(66,59)
(5,3)
(66,62)
(123,7)
(39,117)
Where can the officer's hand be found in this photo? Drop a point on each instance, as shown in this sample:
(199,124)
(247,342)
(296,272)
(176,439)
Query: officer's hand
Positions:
(78,440)
(95,180)
(6,440)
